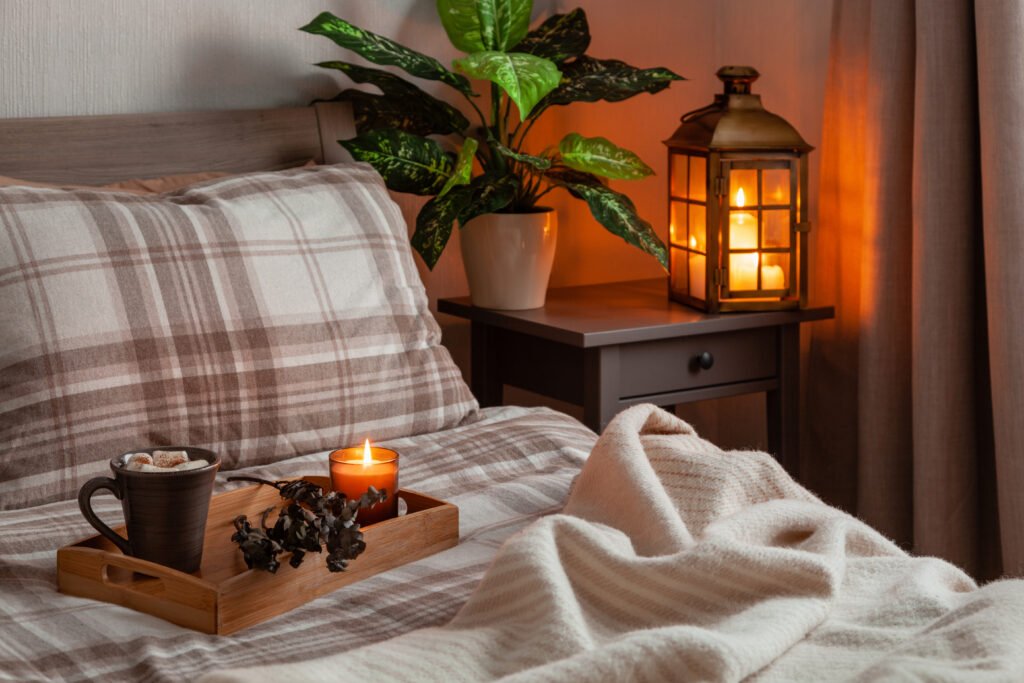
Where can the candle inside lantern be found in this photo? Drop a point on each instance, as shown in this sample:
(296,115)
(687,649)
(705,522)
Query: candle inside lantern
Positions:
(354,470)
(742,225)
(773,277)
(743,271)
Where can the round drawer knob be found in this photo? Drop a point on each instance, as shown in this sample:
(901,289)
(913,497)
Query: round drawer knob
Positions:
(705,360)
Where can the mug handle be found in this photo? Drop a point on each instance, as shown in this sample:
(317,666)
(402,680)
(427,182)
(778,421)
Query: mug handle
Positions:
(85,505)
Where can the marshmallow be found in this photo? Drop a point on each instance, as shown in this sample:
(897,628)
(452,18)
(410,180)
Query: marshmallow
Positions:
(162,461)
(169,458)
(191,465)
(136,461)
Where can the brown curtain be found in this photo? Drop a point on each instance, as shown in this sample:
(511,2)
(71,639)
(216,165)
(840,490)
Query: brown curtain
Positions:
(915,392)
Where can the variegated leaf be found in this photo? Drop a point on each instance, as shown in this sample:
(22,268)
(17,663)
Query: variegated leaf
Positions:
(408,163)
(560,37)
(525,78)
(477,25)
(488,193)
(381,50)
(435,221)
(463,167)
(403,105)
(614,210)
(539,163)
(602,157)
(587,79)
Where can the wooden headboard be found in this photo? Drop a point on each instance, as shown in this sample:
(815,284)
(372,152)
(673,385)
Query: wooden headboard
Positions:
(93,150)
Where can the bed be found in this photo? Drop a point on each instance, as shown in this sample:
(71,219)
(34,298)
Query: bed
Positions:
(273,314)
(503,467)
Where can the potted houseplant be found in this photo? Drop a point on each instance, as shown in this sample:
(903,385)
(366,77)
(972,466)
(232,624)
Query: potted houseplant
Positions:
(480,175)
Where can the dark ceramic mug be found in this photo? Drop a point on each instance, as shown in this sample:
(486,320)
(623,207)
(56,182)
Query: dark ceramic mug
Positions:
(164,512)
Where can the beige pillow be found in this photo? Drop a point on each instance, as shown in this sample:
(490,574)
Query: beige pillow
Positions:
(262,315)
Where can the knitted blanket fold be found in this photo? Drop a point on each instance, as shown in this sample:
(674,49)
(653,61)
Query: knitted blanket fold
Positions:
(676,561)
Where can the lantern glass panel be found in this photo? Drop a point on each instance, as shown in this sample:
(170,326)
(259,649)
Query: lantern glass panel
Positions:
(743,188)
(698,274)
(743,271)
(776,186)
(698,179)
(742,229)
(679,176)
(677,223)
(775,227)
(679,266)
(698,228)
(775,271)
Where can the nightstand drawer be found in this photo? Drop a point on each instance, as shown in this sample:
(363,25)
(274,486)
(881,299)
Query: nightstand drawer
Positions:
(668,365)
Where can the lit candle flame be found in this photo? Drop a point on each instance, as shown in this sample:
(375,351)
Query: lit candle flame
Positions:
(693,242)
(367,453)
(741,198)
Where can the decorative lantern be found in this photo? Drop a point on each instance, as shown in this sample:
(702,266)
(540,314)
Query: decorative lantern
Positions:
(737,204)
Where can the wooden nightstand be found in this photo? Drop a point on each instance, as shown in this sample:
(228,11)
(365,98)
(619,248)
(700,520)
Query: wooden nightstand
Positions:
(607,347)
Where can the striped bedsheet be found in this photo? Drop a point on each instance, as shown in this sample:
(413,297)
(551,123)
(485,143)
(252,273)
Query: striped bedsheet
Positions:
(504,470)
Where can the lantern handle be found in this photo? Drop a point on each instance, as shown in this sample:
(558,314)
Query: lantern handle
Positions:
(737,79)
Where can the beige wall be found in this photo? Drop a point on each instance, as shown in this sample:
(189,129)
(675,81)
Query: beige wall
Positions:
(62,57)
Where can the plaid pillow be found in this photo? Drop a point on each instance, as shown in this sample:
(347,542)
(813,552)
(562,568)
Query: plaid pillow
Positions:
(264,316)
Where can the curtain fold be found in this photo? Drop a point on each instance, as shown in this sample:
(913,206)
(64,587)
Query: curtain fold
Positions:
(915,403)
(1000,31)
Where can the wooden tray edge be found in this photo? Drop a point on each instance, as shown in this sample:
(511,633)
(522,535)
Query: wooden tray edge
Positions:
(431,525)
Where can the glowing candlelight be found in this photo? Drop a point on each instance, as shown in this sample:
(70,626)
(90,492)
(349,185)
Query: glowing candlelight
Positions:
(743,271)
(773,277)
(354,470)
(742,225)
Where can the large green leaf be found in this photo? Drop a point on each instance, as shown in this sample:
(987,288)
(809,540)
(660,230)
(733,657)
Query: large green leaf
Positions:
(525,78)
(561,37)
(435,221)
(603,157)
(488,193)
(587,79)
(403,105)
(477,25)
(463,167)
(381,50)
(378,112)
(614,210)
(408,163)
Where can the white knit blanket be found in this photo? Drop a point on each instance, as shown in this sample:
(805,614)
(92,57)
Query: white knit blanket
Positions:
(677,561)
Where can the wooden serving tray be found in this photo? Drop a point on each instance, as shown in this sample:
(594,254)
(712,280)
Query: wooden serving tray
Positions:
(225,596)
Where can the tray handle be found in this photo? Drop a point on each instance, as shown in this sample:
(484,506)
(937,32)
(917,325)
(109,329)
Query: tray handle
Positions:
(182,588)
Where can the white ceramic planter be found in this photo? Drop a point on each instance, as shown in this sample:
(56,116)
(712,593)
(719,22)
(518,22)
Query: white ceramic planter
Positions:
(508,257)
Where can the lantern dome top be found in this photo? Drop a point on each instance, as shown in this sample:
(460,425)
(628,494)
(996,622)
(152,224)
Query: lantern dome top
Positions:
(736,120)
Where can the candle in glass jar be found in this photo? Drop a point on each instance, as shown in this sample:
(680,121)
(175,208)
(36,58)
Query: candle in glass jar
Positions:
(354,470)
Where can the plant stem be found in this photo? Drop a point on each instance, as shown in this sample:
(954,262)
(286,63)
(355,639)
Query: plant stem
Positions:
(505,117)
(529,125)
(483,119)
(256,480)
(512,135)
(548,189)
(496,112)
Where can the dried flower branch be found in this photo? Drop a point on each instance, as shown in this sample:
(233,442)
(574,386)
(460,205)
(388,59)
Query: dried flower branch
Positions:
(309,522)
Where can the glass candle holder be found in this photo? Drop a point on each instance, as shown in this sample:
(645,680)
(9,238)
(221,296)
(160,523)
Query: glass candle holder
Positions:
(355,469)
